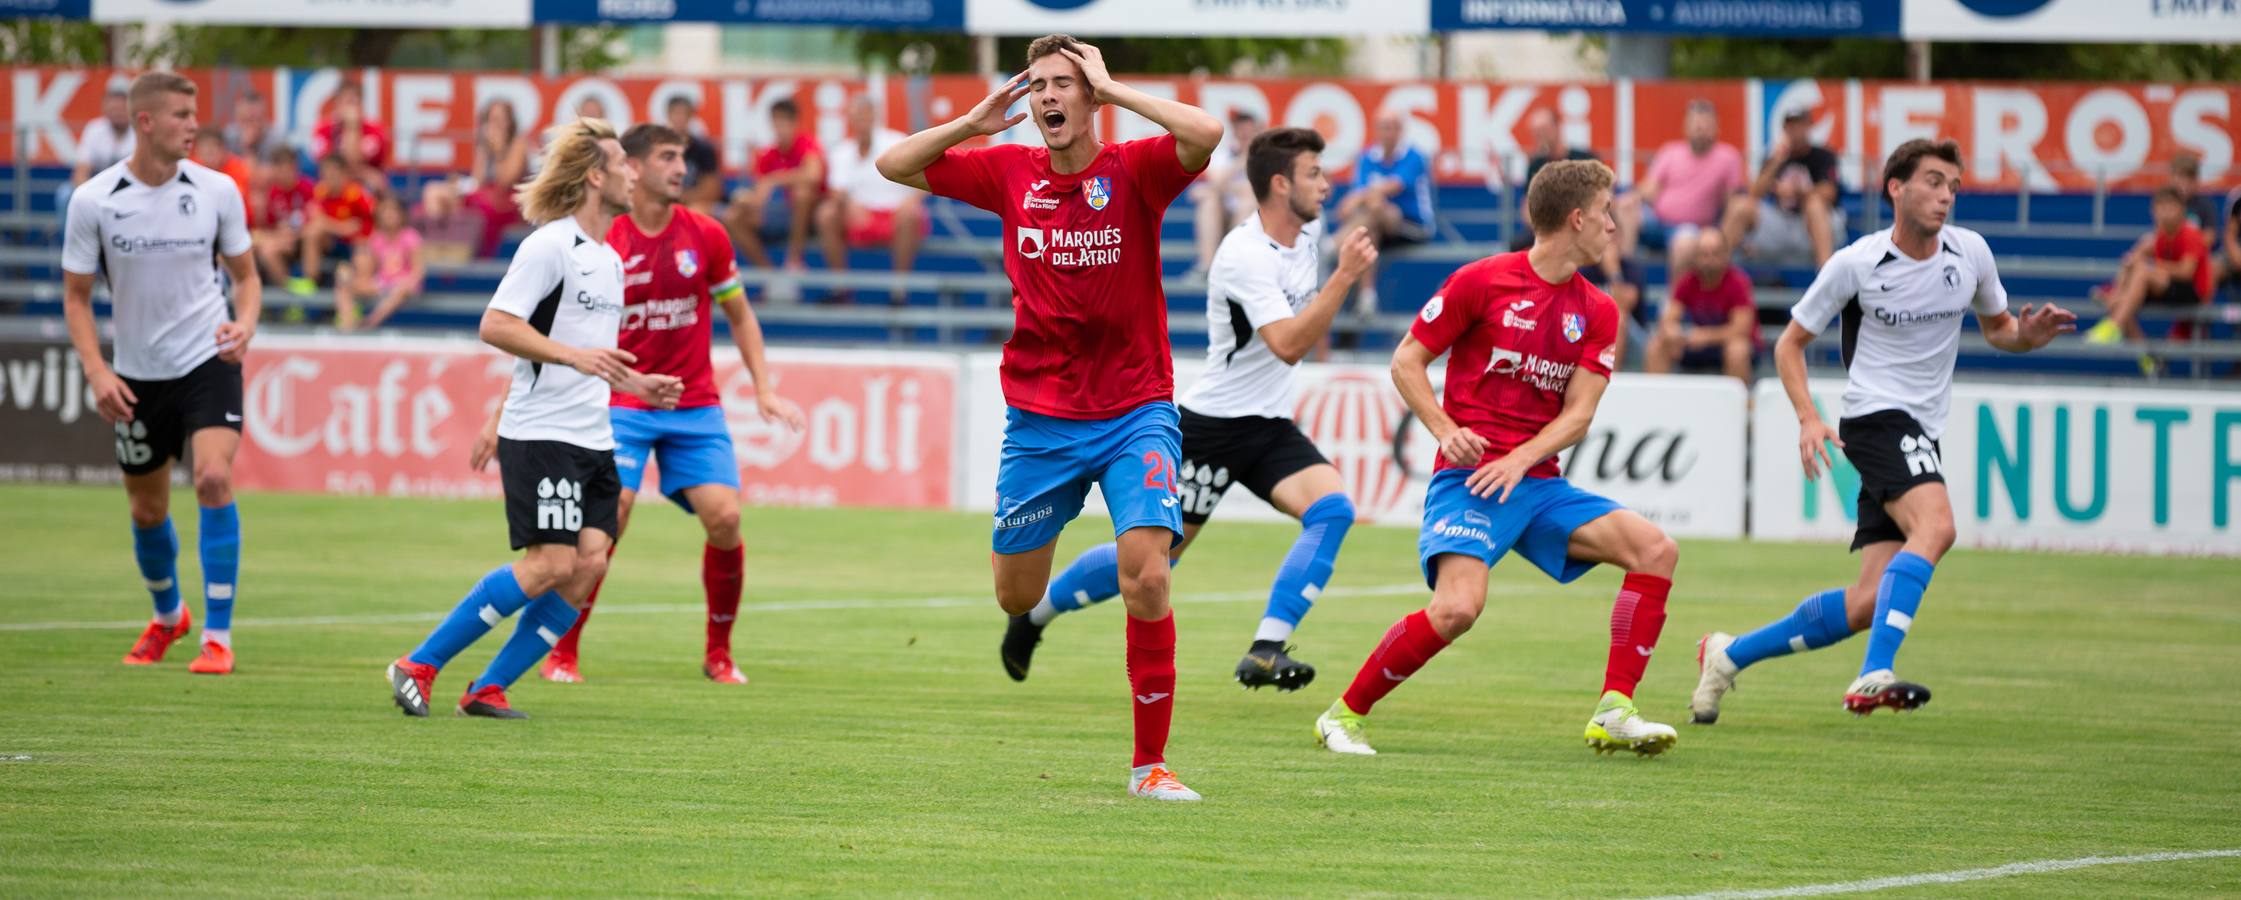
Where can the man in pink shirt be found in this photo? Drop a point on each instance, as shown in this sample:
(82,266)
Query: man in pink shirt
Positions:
(1689,183)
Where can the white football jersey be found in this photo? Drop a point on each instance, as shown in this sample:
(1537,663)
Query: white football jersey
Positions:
(1254,281)
(158,247)
(570,288)
(1902,319)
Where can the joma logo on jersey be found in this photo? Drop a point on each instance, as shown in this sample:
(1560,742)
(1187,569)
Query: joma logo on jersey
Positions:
(557,509)
(1921,455)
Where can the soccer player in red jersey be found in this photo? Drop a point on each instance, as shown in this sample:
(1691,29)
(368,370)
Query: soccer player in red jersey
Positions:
(1087,374)
(678,266)
(1529,353)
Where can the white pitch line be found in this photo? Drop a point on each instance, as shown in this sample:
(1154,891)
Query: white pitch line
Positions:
(1900,881)
(1388,590)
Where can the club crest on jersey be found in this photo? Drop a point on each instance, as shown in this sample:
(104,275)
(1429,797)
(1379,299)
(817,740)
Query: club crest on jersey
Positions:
(1952,277)
(1098,191)
(1575,327)
(688,263)
(186,204)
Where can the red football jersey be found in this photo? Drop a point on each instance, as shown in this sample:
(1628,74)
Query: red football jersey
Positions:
(672,282)
(1082,250)
(1515,340)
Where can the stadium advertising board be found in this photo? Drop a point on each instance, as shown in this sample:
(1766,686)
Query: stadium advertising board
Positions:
(1283,18)
(46,411)
(1762,17)
(2152,21)
(2037,467)
(2064,135)
(397,418)
(928,15)
(322,13)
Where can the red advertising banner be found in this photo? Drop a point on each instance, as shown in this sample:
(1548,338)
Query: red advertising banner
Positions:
(399,418)
(2064,136)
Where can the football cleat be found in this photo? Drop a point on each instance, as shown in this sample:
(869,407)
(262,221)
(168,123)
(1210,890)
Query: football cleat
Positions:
(1342,730)
(560,668)
(1715,676)
(1155,782)
(490,703)
(1617,726)
(216,659)
(1882,690)
(409,684)
(156,640)
(719,669)
(1266,666)
(1020,638)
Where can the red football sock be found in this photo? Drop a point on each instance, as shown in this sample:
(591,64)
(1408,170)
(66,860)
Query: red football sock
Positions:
(1151,677)
(567,645)
(1407,646)
(720,577)
(1636,618)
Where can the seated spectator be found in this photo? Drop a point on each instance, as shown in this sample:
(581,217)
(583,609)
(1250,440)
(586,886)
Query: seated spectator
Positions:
(278,199)
(863,208)
(210,150)
(105,142)
(341,215)
(1686,188)
(1221,196)
(1391,196)
(1790,216)
(1711,320)
(449,232)
(704,172)
(789,176)
(501,160)
(2229,260)
(250,135)
(388,265)
(2170,267)
(346,132)
(1548,146)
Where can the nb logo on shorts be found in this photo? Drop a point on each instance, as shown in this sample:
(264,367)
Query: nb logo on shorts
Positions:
(557,509)
(1921,455)
(1201,487)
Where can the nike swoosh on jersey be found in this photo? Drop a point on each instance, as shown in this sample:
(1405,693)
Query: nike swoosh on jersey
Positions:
(122,214)
(233,417)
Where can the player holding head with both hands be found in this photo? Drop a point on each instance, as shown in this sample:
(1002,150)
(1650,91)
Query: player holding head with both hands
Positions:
(1087,374)
(1264,313)
(556,311)
(1901,294)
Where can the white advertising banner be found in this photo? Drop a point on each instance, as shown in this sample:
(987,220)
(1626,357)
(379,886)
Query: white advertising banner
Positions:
(2038,468)
(2038,21)
(324,13)
(1279,18)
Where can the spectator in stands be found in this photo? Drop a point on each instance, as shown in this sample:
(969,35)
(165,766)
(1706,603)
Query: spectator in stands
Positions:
(1548,146)
(1711,321)
(251,135)
(341,215)
(276,203)
(1391,196)
(388,265)
(105,142)
(1221,197)
(501,159)
(210,150)
(362,143)
(2168,268)
(2202,210)
(704,173)
(1790,216)
(789,176)
(861,207)
(2229,260)
(450,233)
(1688,185)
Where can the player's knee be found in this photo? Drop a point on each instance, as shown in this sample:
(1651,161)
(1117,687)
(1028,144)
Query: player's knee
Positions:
(549,570)
(213,484)
(1656,553)
(149,512)
(588,567)
(1451,616)
(721,524)
(1016,599)
(1147,581)
(1936,537)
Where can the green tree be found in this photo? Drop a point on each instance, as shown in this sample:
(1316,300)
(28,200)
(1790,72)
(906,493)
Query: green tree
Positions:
(953,53)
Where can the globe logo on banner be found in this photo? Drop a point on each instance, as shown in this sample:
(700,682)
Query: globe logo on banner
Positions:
(1351,418)
(2004,9)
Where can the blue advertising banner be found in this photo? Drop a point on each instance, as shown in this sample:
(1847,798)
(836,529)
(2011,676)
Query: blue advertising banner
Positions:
(917,15)
(1793,18)
(46,9)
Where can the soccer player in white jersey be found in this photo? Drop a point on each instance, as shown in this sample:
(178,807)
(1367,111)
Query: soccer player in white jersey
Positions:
(1263,314)
(156,228)
(1901,294)
(558,311)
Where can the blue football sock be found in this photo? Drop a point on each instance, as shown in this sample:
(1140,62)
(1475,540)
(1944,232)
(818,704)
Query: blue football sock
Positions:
(1817,622)
(1092,578)
(1307,568)
(221,563)
(493,598)
(1896,599)
(156,548)
(541,625)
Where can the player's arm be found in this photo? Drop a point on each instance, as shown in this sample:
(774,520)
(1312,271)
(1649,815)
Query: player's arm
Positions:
(1291,338)
(1581,395)
(2026,329)
(907,161)
(1814,433)
(1196,131)
(1412,375)
(747,335)
(485,447)
(81,257)
(516,336)
(248,305)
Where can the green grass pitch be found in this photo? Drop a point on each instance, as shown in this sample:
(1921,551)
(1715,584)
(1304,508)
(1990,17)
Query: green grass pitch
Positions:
(2083,708)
